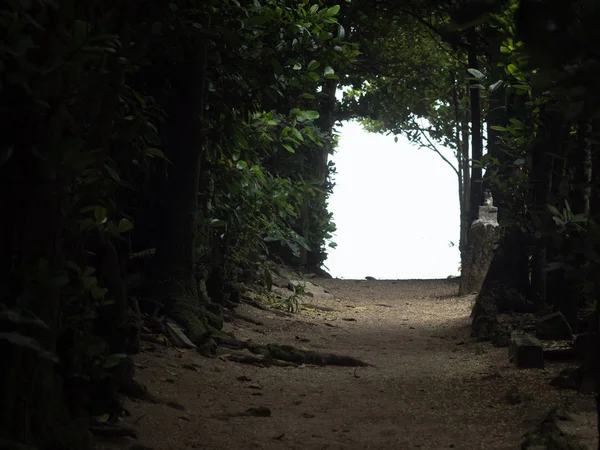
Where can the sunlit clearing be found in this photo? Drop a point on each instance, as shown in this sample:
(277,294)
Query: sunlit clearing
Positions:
(396,209)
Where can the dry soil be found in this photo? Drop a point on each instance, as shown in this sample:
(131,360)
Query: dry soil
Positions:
(430,385)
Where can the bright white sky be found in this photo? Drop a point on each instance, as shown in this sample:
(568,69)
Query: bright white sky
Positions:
(396,209)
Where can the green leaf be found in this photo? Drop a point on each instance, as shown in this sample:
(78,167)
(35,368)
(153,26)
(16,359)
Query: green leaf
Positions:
(328,71)
(341,33)
(498,128)
(97,292)
(314,8)
(289,148)
(216,223)
(256,20)
(114,360)
(554,210)
(313,65)
(297,134)
(512,69)
(516,122)
(21,317)
(124,225)
(100,214)
(59,281)
(308,114)
(153,151)
(113,173)
(241,165)
(314,75)
(332,11)
(495,85)
(30,343)
(103,418)
(80,31)
(476,73)
(242,142)
(256,170)
(521,88)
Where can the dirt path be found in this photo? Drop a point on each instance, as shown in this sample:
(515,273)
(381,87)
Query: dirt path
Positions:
(431,386)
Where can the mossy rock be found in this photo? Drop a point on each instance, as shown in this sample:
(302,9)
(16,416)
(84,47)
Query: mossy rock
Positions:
(483,327)
(500,335)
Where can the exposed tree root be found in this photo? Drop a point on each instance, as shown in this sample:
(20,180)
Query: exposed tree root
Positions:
(245,318)
(113,431)
(276,352)
(319,308)
(259,305)
(137,391)
(246,357)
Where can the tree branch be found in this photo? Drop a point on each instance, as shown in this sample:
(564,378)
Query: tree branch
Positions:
(431,146)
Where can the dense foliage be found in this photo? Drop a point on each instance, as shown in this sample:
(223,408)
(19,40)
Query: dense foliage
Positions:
(150,154)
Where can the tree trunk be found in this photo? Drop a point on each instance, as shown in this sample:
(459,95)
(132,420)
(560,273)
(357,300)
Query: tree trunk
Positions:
(582,161)
(507,285)
(591,365)
(315,257)
(459,140)
(542,163)
(176,249)
(466,170)
(476,137)
(557,144)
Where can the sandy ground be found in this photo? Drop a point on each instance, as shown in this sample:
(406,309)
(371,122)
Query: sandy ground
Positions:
(431,386)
